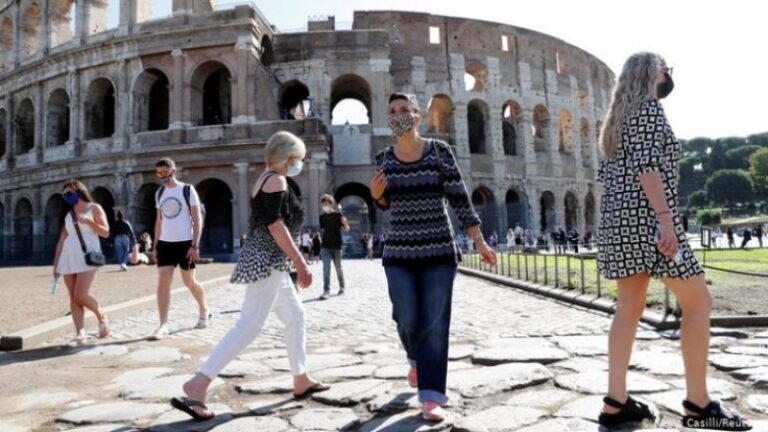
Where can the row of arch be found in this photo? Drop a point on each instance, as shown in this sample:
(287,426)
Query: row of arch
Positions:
(215,194)
(517,209)
(211,96)
(354,90)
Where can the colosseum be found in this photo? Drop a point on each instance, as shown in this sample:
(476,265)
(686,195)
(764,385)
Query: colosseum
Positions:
(209,84)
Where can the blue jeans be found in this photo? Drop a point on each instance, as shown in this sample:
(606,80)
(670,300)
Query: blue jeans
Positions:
(421,307)
(327,255)
(122,248)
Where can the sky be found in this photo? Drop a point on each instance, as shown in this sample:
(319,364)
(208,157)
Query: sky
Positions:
(717,48)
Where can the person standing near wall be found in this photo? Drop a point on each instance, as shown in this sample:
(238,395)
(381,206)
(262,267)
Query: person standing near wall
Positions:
(331,224)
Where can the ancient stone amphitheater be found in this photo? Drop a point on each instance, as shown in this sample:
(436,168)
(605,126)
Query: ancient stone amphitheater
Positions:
(209,84)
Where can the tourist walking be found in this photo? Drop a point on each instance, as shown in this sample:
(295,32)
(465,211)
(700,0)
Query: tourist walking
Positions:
(124,239)
(78,255)
(331,224)
(644,237)
(413,180)
(269,255)
(729,234)
(317,245)
(178,227)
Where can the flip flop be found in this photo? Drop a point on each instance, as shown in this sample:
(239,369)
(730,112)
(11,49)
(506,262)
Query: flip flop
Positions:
(185,405)
(315,388)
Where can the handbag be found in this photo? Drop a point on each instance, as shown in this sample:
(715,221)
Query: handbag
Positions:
(93,259)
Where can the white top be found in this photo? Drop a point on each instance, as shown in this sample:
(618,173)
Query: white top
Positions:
(305,240)
(72,258)
(518,232)
(176,223)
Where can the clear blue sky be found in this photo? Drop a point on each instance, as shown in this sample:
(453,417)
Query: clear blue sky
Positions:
(716,47)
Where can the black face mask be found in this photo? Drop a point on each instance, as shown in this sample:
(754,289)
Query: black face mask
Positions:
(663,89)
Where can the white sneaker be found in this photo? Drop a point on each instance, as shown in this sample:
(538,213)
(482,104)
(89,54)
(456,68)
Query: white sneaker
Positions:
(123,267)
(160,333)
(204,321)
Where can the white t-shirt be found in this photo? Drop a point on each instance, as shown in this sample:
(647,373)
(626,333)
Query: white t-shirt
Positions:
(305,240)
(177,221)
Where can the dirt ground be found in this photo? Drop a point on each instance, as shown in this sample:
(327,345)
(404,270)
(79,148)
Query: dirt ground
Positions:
(25,292)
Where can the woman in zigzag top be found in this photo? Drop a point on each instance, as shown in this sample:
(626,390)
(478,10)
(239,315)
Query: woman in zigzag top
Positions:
(414,179)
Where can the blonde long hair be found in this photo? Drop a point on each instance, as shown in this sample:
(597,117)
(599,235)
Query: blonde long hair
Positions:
(635,85)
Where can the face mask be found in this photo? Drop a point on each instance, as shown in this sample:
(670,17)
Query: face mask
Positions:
(295,168)
(166,179)
(72,198)
(327,208)
(401,123)
(663,89)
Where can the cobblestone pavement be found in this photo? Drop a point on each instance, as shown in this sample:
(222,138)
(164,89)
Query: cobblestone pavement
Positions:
(519,362)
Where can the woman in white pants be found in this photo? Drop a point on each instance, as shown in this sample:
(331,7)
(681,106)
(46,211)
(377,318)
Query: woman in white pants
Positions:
(265,263)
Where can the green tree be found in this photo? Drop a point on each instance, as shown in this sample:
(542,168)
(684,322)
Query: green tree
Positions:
(738,158)
(760,139)
(697,145)
(698,199)
(758,167)
(730,186)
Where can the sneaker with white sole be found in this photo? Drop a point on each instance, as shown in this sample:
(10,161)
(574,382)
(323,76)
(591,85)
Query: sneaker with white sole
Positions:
(204,321)
(160,333)
(432,411)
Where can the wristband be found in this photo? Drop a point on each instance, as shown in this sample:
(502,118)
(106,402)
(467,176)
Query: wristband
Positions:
(664,212)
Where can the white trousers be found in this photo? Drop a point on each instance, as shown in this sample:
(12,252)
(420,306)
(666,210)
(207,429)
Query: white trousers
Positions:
(277,293)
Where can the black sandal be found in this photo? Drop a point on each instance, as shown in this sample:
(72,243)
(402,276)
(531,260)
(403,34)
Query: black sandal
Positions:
(713,417)
(314,388)
(185,404)
(632,411)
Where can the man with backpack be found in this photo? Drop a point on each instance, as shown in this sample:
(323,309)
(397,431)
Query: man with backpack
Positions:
(178,227)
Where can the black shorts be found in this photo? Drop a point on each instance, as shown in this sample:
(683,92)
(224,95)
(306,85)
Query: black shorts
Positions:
(173,254)
(305,249)
(518,241)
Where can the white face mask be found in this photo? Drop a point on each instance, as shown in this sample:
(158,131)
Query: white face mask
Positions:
(327,208)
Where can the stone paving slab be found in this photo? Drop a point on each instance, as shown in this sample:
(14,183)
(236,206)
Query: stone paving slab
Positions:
(257,386)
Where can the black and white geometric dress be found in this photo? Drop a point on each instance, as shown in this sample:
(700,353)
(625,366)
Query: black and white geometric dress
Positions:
(260,254)
(628,223)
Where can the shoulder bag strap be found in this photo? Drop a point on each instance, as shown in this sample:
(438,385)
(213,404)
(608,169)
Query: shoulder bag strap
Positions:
(440,167)
(77,229)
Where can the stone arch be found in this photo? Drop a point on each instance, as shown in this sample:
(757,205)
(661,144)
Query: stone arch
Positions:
(217,236)
(267,51)
(348,88)
(151,101)
(100,109)
(586,143)
(475,77)
(31,25)
(25,127)
(3,125)
(294,101)
(145,209)
(548,216)
(23,231)
(212,94)
(57,118)
(571,211)
(541,121)
(589,210)
(485,206)
(510,121)
(55,210)
(357,206)
(104,197)
(6,43)
(477,125)
(440,115)
(63,13)
(516,203)
(565,132)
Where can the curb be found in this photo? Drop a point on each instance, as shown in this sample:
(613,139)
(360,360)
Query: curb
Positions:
(602,305)
(35,336)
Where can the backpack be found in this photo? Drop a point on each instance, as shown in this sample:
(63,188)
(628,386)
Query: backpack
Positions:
(187,192)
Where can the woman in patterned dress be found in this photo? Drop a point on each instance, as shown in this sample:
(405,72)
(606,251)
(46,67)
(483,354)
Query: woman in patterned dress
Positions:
(641,236)
(266,260)
(414,179)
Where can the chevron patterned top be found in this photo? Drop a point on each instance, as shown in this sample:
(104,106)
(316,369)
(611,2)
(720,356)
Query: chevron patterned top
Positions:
(420,230)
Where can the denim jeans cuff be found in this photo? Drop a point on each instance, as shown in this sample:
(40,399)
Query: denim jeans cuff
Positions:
(412,363)
(432,395)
